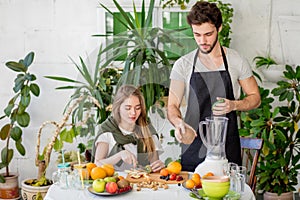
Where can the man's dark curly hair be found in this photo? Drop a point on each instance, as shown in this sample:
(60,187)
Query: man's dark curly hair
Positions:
(203,12)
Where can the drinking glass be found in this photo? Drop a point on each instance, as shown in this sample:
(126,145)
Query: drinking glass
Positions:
(230,170)
(241,178)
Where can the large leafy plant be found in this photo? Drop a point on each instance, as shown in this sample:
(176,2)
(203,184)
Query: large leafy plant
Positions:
(16,110)
(279,160)
(96,82)
(145,63)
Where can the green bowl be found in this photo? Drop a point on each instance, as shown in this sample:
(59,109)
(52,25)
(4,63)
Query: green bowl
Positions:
(215,187)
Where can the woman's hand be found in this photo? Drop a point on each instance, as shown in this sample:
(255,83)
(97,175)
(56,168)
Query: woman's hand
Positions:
(157,165)
(128,157)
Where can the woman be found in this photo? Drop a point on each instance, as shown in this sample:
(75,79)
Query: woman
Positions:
(127,138)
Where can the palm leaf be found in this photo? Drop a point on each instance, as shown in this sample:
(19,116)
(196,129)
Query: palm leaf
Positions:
(121,21)
(137,23)
(64,79)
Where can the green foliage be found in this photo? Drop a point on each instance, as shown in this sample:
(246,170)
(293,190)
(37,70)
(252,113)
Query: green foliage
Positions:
(172,3)
(69,156)
(98,84)
(279,159)
(227,14)
(16,110)
(263,61)
(43,181)
(146,63)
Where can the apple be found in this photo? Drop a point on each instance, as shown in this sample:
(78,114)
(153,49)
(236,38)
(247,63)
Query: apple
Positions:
(111,187)
(110,179)
(99,185)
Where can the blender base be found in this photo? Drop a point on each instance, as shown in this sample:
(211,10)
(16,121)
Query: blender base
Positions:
(211,165)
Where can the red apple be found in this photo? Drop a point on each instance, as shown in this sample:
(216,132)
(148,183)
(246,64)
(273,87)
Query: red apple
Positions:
(111,187)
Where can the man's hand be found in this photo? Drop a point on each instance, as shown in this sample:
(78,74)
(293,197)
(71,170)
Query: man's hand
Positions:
(184,133)
(223,106)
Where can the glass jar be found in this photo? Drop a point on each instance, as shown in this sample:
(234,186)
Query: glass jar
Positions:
(62,176)
(81,176)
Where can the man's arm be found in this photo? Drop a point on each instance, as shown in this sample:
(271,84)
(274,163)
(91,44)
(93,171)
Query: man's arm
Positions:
(251,101)
(176,92)
(183,132)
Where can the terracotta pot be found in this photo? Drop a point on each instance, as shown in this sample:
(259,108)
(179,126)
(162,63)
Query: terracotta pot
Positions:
(30,192)
(274,196)
(10,189)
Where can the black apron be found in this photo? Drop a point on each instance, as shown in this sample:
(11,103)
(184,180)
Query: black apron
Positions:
(204,88)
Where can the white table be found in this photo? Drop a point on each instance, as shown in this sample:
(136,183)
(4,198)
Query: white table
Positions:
(174,192)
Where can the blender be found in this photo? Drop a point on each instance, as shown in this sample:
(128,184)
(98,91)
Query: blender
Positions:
(213,135)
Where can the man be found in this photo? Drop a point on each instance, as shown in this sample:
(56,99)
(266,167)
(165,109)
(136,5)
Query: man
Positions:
(204,76)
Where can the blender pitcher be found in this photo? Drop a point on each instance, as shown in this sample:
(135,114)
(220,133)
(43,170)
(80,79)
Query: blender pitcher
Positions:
(213,133)
(215,137)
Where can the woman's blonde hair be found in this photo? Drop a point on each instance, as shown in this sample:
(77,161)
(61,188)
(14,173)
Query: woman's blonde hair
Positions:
(141,129)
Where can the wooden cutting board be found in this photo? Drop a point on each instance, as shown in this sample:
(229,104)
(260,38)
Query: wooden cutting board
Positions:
(155,177)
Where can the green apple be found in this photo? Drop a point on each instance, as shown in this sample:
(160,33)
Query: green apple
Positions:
(110,179)
(99,185)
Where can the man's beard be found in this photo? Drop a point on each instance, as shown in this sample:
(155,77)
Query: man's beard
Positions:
(212,47)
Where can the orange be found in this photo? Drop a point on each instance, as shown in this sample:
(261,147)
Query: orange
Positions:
(98,172)
(121,177)
(164,172)
(109,169)
(196,178)
(208,174)
(174,167)
(189,184)
(90,166)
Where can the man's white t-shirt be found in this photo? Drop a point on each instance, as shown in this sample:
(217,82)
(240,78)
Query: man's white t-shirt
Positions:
(238,67)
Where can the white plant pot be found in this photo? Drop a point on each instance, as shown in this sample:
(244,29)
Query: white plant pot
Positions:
(29,192)
(273,73)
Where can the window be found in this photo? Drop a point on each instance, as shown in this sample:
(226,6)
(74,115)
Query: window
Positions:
(166,19)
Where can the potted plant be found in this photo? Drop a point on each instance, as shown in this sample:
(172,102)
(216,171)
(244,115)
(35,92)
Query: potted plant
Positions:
(278,126)
(34,188)
(271,71)
(145,63)
(99,83)
(18,119)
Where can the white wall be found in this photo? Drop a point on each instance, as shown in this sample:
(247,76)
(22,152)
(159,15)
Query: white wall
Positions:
(55,30)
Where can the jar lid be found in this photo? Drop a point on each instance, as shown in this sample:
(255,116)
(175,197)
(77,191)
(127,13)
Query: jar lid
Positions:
(63,165)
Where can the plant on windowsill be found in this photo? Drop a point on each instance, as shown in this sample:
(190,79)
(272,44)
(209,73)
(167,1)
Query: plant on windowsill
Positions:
(271,71)
(19,118)
(278,126)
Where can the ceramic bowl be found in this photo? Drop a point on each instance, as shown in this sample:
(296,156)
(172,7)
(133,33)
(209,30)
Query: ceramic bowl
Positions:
(215,187)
